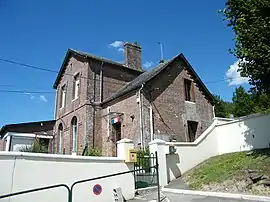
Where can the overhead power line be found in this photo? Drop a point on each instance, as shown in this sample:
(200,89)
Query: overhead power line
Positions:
(53,71)
(26,91)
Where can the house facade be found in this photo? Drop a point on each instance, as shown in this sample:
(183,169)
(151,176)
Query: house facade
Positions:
(15,137)
(99,102)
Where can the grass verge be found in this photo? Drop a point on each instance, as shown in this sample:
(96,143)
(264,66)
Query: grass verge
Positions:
(228,167)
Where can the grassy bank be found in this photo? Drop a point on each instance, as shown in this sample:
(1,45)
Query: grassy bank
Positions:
(220,172)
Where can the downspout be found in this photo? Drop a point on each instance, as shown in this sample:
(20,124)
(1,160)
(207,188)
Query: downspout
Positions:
(94,112)
(101,83)
(55,103)
(214,115)
(141,122)
(86,131)
(151,122)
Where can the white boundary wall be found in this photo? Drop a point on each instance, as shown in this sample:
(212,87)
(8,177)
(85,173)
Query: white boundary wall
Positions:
(223,136)
(21,171)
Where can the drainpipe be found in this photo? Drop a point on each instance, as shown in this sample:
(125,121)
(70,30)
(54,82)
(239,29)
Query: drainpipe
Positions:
(101,82)
(214,115)
(141,122)
(94,108)
(151,122)
(55,103)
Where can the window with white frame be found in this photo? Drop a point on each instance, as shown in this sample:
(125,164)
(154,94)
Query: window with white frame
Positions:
(60,134)
(74,132)
(63,96)
(76,87)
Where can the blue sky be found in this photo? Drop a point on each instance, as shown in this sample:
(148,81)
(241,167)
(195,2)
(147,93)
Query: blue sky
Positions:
(40,32)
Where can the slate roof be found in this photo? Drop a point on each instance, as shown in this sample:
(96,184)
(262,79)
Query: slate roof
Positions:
(147,76)
(25,127)
(90,56)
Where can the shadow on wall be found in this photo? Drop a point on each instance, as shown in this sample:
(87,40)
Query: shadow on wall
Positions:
(257,133)
(173,170)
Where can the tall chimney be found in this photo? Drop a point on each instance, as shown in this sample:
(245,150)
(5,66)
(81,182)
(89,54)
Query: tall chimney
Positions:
(133,56)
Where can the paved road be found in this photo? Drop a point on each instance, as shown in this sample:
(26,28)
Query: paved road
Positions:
(173,197)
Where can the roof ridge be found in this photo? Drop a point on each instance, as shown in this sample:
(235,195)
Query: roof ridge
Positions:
(146,76)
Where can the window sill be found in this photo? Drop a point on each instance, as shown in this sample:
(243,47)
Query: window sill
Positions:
(190,102)
(75,99)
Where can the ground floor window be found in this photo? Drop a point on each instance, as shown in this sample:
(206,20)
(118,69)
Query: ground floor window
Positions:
(74,131)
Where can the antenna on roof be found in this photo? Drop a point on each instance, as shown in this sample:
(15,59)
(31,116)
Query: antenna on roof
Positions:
(161,52)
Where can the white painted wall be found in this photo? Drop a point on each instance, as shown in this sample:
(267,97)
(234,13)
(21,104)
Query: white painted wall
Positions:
(223,136)
(191,154)
(244,134)
(21,171)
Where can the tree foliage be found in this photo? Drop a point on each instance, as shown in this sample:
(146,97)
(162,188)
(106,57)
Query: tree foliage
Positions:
(93,152)
(37,147)
(250,20)
(222,108)
(242,102)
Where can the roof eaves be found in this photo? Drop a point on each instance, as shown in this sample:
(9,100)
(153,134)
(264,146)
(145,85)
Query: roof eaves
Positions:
(87,55)
(69,51)
(197,77)
(7,126)
(124,90)
(105,60)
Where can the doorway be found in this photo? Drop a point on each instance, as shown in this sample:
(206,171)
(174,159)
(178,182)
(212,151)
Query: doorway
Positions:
(116,135)
(192,130)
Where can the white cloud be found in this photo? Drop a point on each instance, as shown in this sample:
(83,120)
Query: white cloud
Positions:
(30,95)
(43,98)
(117,44)
(121,50)
(147,64)
(233,75)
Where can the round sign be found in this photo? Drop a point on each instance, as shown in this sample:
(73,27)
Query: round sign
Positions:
(97,189)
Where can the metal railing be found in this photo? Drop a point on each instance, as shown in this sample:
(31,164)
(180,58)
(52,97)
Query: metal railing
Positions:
(70,190)
(38,189)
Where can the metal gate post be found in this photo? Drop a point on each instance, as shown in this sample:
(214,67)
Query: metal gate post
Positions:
(158,188)
(70,195)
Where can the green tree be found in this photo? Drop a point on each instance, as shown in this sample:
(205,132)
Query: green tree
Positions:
(243,104)
(222,108)
(250,20)
(261,103)
(37,147)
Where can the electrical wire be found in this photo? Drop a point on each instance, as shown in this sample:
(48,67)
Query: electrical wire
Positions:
(53,71)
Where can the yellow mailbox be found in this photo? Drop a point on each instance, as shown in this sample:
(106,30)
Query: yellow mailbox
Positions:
(132,156)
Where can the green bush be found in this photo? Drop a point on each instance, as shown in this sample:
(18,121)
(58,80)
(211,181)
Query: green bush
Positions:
(92,152)
(37,147)
(143,161)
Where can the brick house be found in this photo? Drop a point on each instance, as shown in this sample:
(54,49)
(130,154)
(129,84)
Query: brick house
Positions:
(99,101)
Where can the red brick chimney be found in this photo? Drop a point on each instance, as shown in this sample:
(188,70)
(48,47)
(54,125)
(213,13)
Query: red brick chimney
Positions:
(133,56)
